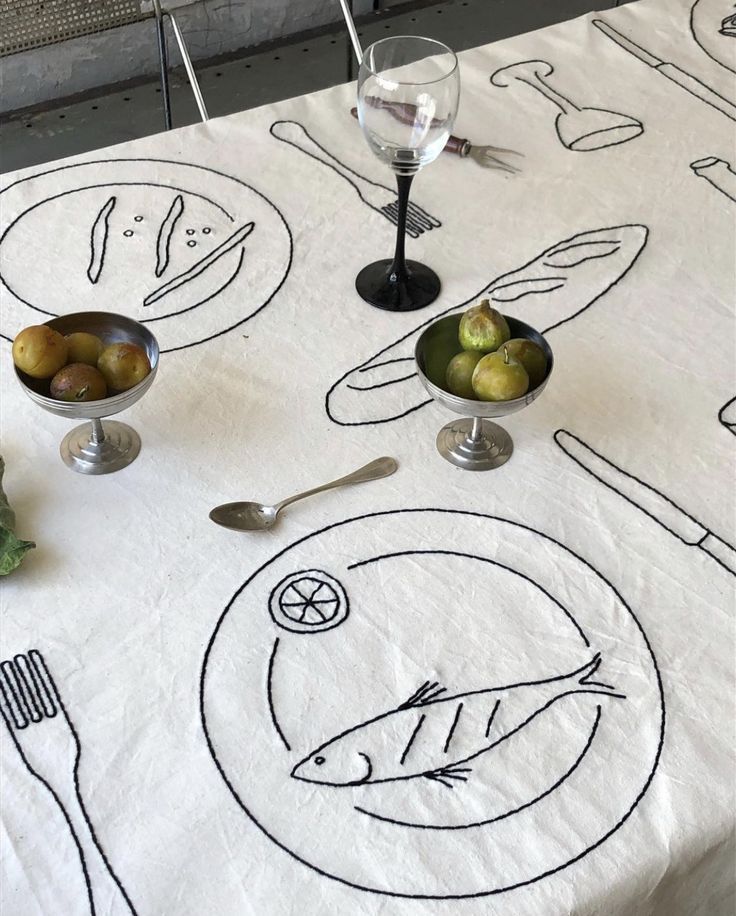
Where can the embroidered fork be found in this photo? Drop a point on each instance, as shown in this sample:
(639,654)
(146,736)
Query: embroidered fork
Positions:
(48,745)
(378,197)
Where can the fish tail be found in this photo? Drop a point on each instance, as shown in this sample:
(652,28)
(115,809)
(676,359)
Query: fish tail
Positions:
(590,669)
(585,674)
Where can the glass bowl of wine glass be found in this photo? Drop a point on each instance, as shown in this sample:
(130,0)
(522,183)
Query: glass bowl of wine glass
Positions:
(408,96)
(94,448)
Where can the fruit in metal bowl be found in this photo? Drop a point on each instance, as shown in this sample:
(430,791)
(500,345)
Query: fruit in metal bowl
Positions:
(40,351)
(500,377)
(459,375)
(78,382)
(531,356)
(123,365)
(84,348)
(483,328)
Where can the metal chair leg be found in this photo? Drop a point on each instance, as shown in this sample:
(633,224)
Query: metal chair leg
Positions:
(347,12)
(198,97)
(163,60)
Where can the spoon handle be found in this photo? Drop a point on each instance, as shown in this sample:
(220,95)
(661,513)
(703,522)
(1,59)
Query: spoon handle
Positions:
(381,467)
(565,105)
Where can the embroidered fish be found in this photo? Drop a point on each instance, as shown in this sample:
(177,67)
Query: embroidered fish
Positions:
(435,736)
(728,26)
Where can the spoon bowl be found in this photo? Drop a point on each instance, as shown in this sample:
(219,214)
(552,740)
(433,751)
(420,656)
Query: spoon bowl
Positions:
(245,516)
(588,129)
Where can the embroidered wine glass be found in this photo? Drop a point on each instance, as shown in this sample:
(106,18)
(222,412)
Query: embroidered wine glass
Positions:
(408,94)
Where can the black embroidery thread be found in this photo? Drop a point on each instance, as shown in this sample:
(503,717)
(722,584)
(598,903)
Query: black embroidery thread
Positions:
(98,240)
(143,161)
(499,817)
(166,230)
(727,416)
(289,606)
(470,556)
(718,549)
(269,694)
(718,173)
(232,241)
(576,129)
(14,683)
(624,243)
(727,27)
(697,88)
(383,892)
(415,732)
(378,197)
(189,308)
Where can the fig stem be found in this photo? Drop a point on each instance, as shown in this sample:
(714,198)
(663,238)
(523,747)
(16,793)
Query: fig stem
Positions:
(506,355)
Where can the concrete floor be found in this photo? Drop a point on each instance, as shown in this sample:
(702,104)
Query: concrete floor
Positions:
(265,76)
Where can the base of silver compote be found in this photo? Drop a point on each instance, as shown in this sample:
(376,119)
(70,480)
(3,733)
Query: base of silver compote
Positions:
(94,449)
(475,444)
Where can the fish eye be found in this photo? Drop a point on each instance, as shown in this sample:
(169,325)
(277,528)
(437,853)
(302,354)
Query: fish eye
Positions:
(319,761)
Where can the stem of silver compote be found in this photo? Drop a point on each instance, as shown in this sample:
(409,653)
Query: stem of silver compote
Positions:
(98,433)
(398,268)
(476,433)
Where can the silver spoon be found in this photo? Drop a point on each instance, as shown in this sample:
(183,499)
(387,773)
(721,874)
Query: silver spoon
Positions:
(257,517)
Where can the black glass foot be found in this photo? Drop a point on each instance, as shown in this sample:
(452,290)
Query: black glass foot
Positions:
(375,284)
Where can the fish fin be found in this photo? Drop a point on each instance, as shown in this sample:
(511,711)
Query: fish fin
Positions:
(427,693)
(590,669)
(447,785)
(446,774)
(600,684)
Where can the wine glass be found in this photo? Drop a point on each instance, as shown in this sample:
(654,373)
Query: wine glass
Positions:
(408,94)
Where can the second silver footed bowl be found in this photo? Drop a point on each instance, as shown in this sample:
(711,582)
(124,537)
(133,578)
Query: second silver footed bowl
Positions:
(472,443)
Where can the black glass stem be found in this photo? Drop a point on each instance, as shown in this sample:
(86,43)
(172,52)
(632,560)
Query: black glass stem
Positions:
(398,268)
(399,285)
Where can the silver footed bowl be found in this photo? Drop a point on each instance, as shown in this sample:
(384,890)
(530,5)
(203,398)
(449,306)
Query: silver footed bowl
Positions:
(472,443)
(94,448)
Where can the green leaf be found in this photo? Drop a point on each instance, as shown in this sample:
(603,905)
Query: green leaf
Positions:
(12,550)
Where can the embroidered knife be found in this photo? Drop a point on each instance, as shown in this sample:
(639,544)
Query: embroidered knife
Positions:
(671,71)
(651,502)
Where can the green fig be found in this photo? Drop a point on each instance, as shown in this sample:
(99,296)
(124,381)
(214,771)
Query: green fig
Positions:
(459,375)
(500,377)
(483,328)
(532,358)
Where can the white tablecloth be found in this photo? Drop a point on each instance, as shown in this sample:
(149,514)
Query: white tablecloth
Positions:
(576,605)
